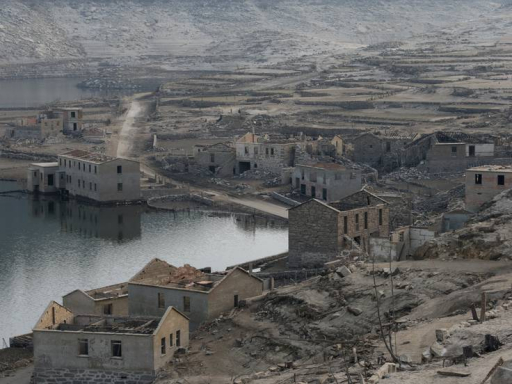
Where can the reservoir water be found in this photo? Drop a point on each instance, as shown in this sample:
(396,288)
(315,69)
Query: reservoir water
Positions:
(28,93)
(49,248)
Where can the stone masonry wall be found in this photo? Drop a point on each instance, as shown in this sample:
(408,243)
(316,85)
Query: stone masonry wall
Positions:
(313,235)
(89,376)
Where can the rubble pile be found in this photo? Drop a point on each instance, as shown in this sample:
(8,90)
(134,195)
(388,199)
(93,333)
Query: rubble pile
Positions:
(487,236)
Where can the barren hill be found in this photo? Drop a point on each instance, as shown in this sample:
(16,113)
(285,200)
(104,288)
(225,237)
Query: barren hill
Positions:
(243,31)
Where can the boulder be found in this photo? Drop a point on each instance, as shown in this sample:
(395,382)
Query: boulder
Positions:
(442,334)
(343,271)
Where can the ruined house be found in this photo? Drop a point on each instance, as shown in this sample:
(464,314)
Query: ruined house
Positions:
(108,301)
(72,119)
(90,349)
(261,153)
(484,183)
(219,159)
(380,151)
(319,232)
(199,295)
(448,152)
(402,243)
(326,181)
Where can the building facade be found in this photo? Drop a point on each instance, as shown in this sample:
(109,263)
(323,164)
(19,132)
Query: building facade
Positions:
(90,349)
(45,178)
(219,159)
(326,181)
(484,183)
(72,119)
(106,301)
(319,232)
(200,296)
(100,178)
(257,153)
(448,152)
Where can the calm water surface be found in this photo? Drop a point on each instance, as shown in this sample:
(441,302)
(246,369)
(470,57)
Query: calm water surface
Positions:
(49,248)
(36,92)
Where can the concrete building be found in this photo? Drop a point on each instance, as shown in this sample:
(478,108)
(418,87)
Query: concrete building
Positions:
(484,183)
(72,119)
(319,232)
(254,152)
(45,178)
(448,152)
(380,151)
(326,181)
(106,301)
(219,159)
(100,178)
(201,296)
(88,349)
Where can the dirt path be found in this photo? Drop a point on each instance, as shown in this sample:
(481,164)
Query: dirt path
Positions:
(127,133)
(21,376)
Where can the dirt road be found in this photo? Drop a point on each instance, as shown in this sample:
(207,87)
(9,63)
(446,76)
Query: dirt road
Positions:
(127,134)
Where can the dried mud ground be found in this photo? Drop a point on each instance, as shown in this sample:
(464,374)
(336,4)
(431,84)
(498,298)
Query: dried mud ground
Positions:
(309,326)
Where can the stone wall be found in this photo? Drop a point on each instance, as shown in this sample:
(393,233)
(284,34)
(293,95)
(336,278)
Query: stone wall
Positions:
(313,235)
(90,376)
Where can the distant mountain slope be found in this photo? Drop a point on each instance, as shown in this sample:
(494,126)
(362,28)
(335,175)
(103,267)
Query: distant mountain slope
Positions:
(41,30)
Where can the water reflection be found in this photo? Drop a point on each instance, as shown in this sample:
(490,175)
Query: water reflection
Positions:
(119,223)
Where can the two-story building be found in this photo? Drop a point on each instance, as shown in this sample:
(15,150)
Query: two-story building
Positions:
(319,232)
(100,178)
(254,152)
(72,119)
(326,181)
(89,349)
(484,183)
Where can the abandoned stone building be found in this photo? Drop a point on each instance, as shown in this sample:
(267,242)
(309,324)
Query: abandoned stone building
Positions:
(380,151)
(448,152)
(322,146)
(109,301)
(219,159)
(88,349)
(86,175)
(319,232)
(72,119)
(100,178)
(326,181)
(261,153)
(484,183)
(199,295)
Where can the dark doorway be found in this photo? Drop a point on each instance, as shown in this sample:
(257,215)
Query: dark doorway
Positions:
(244,166)
(75,126)
(211,168)
(236,301)
(357,239)
(50,180)
(313,192)
(324,194)
(303,189)
(471,151)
